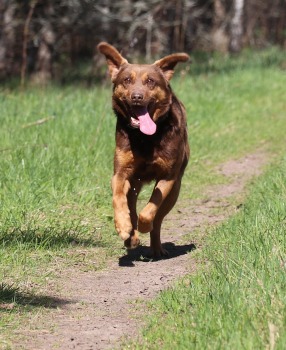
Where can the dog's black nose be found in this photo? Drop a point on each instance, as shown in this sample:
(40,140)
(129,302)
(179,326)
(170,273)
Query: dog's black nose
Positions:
(136,96)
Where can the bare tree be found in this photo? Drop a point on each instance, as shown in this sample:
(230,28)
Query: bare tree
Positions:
(46,41)
(7,36)
(236,26)
(219,38)
(25,41)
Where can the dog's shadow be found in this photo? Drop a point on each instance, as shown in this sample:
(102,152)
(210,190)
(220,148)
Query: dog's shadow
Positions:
(142,253)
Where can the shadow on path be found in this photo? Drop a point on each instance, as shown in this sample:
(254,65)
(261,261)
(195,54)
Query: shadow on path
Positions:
(141,253)
(11,296)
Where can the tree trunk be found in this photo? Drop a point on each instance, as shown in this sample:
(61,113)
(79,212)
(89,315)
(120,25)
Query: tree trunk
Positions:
(219,37)
(7,37)
(236,27)
(44,65)
(47,39)
(25,41)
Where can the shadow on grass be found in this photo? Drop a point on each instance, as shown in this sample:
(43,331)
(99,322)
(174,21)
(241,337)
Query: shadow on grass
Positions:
(50,237)
(12,298)
(141,253)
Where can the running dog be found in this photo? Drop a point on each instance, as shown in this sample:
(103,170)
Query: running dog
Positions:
(151,144)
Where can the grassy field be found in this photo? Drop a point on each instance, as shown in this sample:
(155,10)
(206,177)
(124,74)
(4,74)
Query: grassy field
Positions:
(56,157)
(237,300)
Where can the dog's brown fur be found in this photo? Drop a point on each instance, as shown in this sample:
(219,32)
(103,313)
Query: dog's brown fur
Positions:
(141,158)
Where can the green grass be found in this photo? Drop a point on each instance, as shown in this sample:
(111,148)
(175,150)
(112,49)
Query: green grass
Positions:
(232,109)
(237,299)
(55,194)
(54,179)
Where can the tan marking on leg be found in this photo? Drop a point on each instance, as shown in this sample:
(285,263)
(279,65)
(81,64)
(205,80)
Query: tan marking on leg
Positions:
(120,188)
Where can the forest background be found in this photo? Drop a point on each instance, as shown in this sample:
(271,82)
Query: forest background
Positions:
(43,40)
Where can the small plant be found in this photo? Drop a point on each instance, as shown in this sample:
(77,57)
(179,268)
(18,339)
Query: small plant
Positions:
(8,292)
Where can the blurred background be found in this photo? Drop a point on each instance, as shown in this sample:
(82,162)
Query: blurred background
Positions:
(43,40)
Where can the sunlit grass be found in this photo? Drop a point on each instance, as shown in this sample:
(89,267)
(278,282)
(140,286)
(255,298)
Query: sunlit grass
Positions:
(56,160)
(237,300)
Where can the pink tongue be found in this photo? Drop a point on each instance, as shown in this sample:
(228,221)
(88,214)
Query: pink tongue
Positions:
(147,126)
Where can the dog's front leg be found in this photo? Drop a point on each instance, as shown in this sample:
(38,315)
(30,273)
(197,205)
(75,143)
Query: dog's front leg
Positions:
(159,194)
(120,188)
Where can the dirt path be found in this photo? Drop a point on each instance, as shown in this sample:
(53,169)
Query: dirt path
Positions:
(93,310)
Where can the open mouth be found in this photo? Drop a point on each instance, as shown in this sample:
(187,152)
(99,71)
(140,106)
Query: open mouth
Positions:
(142,120)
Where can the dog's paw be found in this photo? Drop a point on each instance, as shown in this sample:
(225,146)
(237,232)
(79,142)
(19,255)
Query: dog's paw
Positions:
(123,227)
(145,223)
(124,235)
(133,241)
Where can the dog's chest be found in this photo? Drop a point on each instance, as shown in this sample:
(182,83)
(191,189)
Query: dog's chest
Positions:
(148,158)
(156,167)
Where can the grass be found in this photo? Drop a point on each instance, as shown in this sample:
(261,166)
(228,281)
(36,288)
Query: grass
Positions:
(55,176)
(237,300)
(232,110)
(53,172)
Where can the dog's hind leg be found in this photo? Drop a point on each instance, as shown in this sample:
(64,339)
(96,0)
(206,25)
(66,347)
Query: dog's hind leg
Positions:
(157,250)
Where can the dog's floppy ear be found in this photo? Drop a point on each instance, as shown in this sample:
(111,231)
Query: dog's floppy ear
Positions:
(168,63)
(113,58)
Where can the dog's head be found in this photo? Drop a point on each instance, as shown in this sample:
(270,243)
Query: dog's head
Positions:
(141,93)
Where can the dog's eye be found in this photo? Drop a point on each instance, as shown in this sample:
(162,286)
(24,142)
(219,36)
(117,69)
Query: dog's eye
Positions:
(127,80)
(150,82)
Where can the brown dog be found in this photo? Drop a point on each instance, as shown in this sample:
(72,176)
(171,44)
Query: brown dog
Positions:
(151,144)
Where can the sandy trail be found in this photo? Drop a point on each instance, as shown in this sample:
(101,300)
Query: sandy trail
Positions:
(94,310)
